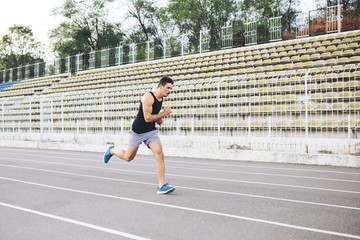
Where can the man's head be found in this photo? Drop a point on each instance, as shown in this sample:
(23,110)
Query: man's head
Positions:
(165,85)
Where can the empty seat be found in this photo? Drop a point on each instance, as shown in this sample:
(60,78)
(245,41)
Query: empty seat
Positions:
(339,106)
(266,98)
(354,59)
(357,94)
(330,123)
(346,94)
(338,85)
(243,109)
(355,75)
(316,96)
(322,106)
(289,97)
(354,106)
(267,108)
(324,86)
(298,123)
(294,107)
(280,108)
(331,95)
(255,109)
(278,98)
(345,123)
(352,84)
(256,124)
(314,123)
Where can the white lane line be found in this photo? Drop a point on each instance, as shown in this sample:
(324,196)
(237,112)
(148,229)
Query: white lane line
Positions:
(214,170)
(193,177)
(192,162)
(69,220)
(190,209)
(189,188)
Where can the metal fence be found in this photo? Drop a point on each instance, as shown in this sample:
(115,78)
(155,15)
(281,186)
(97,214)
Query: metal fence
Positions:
(304,110)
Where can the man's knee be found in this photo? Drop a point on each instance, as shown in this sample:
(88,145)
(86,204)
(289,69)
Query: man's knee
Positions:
(159,155)
(129,158)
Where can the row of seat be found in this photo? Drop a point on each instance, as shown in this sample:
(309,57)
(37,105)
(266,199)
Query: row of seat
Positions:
(341,125)
(268,109)
(258,50)
(6,85)
(319,77)
(31,86)
(204,99)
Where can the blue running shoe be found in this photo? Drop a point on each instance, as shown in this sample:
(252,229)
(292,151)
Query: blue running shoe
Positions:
(165,189)
(107,154)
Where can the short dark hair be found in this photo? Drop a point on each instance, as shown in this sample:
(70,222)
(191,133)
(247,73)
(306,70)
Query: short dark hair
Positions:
(165,80)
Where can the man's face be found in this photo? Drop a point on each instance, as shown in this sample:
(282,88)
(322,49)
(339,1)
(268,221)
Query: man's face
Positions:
(165,90)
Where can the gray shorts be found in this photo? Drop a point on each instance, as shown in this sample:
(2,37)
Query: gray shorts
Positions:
(136,139)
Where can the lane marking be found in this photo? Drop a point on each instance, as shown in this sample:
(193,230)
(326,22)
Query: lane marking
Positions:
(189,188)
(69,220)
(194,177)
(143,158)
(191,209)
(213,170)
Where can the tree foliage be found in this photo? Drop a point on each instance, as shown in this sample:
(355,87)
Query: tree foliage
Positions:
(191,16)
(148,17)
(19,47)
(86,27)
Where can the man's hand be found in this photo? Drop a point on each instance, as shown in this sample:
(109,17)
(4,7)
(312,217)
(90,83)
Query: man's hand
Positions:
(167,110)
(160,121)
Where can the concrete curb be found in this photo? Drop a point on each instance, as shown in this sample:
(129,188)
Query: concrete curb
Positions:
(223,154)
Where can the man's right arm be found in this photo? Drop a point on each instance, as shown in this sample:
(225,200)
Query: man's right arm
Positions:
(147,102)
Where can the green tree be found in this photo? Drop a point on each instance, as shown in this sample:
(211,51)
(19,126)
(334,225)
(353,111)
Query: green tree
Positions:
(85,28)
(261,8)
(19,47)
(289,13)
(147,16)
(191,16)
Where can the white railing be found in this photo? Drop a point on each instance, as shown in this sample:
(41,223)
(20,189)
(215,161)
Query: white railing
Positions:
(250,33)
(311,110)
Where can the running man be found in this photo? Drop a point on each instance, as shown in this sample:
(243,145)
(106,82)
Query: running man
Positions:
(144,130)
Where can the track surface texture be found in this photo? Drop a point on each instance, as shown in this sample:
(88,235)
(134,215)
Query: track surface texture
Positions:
(49,194)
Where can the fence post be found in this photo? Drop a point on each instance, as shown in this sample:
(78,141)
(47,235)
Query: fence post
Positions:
(306,113)
(103,113)
(249,135)
(219,116)
(177,127)
(3,117)
(339,16)
(41,118)
(62,114)
(309,25)
(200,40)
(148,50)
(30,125)
(349,135)
(182,45)
(269,135)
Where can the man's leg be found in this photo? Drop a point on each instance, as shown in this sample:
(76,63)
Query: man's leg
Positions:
(156,148)
(127,155)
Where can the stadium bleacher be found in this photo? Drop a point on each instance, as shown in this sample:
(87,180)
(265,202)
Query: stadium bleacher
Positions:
(288,86)
(29,87)
(8,84)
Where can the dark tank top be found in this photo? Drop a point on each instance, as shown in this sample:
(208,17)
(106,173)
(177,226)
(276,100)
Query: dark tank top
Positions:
(139,125)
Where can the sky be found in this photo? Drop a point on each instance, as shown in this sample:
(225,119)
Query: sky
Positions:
(37,15)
